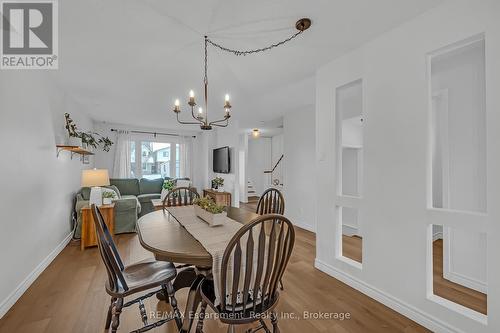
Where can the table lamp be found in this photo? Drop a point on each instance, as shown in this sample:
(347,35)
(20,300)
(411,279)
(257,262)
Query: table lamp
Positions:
(95,178)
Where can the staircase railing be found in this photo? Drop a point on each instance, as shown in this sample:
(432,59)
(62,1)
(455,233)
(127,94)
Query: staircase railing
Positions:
(274,168)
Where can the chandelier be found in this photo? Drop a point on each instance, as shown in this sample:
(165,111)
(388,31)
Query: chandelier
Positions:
(201,116)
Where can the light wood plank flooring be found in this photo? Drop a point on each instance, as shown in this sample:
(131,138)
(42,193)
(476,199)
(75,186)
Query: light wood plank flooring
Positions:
(452,291)
(352,248)
(69,296)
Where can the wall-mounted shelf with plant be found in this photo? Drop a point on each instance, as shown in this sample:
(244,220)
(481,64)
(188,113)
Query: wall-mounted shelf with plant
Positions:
(73,150)
(82,143)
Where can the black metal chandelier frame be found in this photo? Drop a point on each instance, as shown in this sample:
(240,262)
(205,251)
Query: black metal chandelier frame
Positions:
(202,117)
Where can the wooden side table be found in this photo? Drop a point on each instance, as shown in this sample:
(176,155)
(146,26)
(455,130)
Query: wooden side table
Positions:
(220,198)
(88,227)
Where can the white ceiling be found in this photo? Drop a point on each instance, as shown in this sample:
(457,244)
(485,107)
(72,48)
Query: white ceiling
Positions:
(126,61)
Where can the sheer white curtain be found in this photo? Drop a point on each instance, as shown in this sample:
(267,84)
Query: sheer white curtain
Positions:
(122,163)
(185,159)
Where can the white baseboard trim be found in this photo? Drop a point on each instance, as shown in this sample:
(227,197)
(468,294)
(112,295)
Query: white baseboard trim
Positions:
(466,281)
(349,230)
(397,305)
(7,303)
(306,226)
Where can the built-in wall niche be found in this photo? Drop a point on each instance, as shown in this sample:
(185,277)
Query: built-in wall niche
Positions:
(349,151)
(458,127)
(459,267)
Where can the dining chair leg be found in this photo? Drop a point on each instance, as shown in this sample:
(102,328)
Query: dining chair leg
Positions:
(274,321)
(230,329)
(170,291)
(110,313)
(117,310)
(264,326)
(203,309)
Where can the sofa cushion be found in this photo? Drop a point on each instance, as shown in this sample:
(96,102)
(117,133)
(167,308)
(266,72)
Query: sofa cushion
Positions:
(85,192)
(149,186)
(182,183)
(126,186)
(146,198)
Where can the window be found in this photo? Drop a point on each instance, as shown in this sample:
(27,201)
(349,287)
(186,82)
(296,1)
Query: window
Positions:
(157,159)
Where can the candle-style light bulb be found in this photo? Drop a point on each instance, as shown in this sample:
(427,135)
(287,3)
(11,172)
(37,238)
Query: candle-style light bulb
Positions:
(227,105)
(191,98)
(177,103)
(199,116)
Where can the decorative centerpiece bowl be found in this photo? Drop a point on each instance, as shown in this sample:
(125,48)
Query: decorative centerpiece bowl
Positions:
(209,211)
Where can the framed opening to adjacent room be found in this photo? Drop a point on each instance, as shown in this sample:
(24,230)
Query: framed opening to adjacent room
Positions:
(349,152)
(457,178)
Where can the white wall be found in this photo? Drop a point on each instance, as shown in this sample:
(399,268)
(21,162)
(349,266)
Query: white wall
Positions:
(300,177)
(396,246)
(259,160)
(243,165)
(229,136)
(37,187)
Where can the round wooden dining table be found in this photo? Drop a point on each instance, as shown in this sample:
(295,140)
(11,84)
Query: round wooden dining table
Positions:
(160,233)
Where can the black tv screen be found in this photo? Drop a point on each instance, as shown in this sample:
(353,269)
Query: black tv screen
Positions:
(222,160)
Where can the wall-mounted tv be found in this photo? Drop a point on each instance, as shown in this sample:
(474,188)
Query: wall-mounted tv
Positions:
(222,160)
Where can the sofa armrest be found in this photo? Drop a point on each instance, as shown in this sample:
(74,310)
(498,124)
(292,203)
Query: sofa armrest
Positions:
(80,203)
(129,203)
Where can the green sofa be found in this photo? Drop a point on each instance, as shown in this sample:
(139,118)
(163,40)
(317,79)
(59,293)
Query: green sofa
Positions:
(134,200)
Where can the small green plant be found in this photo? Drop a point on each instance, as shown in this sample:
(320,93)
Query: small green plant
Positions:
(218,181)
(169,184)
(108,194)
(209,205)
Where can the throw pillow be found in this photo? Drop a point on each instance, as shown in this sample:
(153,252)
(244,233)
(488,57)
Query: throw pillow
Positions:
(183,183)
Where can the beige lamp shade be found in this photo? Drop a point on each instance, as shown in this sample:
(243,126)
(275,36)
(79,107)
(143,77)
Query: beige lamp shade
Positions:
(95,177)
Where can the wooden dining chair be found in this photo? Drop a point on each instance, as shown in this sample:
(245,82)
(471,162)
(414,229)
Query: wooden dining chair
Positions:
(180,196)
(124,281)
(252,265)
(271,202)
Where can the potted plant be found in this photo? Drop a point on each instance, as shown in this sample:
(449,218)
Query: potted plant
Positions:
(89,140)
(218,182)
(207,210)
(107,197)
(168,185)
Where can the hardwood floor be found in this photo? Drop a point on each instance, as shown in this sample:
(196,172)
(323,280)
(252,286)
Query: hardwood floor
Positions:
(69,296)
(452,291)
(352,248)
